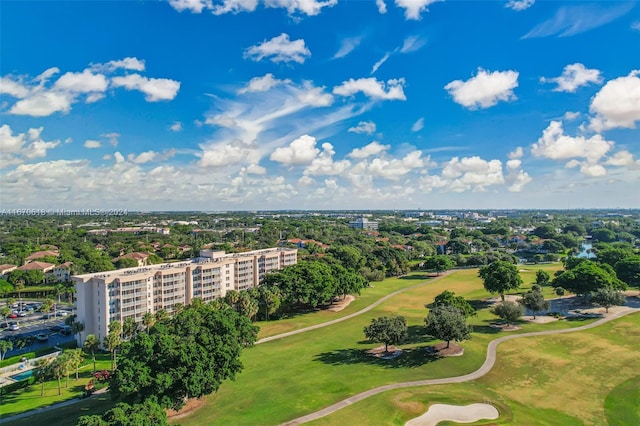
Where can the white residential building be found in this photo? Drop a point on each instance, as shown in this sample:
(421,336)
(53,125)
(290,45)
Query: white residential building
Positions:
(131,292)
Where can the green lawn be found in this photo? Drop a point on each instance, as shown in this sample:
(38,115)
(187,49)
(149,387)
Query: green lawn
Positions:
(588,377)
(29,397)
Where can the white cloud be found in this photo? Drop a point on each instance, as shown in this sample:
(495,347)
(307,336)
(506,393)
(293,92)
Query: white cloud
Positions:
(372,88)
(151,156)
(623,158)
(279,49)
(227,154)
(635,25)
(519,5)
(91,144)
(256,169)
(382,6)
(324,164)
(516,153)
(617,104)
(380,62)
(484,90)
(364,127)
(301,151)
(395,168)
(15,149)
(572,20)
(374,148)
(13,88)
(113,138)
(570,115)
(155,89)
(574,76)
(347,46)
(414,8)
(472,173)
(176,127)
(262,84)
(128,63)
(82,82)
(418,125)
(314,96)
(42,104)
(555,145)
(412,44)
(194,6)
(306,7)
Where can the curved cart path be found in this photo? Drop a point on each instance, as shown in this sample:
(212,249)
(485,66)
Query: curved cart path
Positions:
(484,369)
(355,314)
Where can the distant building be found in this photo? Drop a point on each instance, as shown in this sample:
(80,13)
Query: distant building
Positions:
(131,292)
(5,269)
(363,223)
(62,272)
(42,254)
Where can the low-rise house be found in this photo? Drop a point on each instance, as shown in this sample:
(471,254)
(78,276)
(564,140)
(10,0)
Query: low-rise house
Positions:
(5,269)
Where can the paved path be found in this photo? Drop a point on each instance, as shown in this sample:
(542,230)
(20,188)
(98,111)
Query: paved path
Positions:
(484,369)
(355,314)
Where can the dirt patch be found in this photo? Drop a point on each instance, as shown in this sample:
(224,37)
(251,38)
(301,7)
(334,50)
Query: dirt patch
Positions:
(540,319)
(340,304)
(505,327)
(379,352)
(441,349)
(192,405)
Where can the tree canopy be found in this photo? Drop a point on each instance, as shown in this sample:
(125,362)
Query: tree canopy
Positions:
(388,330)
(508,311)
(187,356)
(534,301)
(449,298)
(447,323)
(588,277)
(500,276)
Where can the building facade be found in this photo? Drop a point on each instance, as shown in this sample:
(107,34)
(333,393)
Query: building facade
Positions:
(109,296)
(363,223)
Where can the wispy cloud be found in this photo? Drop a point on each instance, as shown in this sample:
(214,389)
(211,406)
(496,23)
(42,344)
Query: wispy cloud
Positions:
(409,45)
(572,20)
(347,46)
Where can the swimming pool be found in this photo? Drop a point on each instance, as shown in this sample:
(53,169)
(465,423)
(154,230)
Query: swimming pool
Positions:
(22,376)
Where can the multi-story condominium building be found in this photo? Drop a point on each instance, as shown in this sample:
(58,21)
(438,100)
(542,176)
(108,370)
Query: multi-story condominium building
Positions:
(131,292)
(363,223)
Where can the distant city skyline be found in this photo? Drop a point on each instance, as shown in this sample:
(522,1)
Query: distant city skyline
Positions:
(199,105)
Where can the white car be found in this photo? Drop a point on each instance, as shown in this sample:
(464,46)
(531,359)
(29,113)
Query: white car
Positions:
(14,327)
(22,314)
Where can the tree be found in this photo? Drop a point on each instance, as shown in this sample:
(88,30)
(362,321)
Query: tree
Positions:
(500,276)
(41,372)
(545,231)
(113,340)
(77,328)
(439,263)
(58,370)
(542,278)
(447,323)
(607,298)
(187,356)
(5,311)
(125,262)
(129,327)
(508,311)
(588,277)
(76,358)
(534,301)
(148,319)
(449,298)
(149,413)
(5,346)
(388,330)
(46,307)
(91,345)
(628,270)
(5,287)
(269,299)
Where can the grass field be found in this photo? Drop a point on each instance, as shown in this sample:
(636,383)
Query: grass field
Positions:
(589,377)
(291,377)
(29,397)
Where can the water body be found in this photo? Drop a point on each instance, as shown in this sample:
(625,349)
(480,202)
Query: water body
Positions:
(586,250)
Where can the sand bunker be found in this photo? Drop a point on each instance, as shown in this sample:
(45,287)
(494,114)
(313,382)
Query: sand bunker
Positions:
(455,413)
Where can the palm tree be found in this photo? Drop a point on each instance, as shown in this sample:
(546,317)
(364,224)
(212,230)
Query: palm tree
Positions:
(77,327)
(5,346)
(148,320)
(46,307)
(58,369)
(42,371)
(77,358)
(161,315)
(129,328)
(92,344)
(5,311)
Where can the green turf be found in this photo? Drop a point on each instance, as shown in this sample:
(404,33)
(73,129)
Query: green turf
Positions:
(622,405)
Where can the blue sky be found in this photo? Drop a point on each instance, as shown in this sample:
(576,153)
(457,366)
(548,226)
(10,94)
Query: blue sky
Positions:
(306,104)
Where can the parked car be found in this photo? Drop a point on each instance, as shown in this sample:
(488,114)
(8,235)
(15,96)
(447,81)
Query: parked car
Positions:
(22,314)
(56,328)
(66,330)
(42,337)
(13,315)
(14,327)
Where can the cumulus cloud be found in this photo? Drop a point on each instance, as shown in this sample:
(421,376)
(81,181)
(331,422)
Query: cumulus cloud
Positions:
(305,7)
(255,169)
(574,76)
(554,144)
(413,8)
(37,97)
(382,6)
(364,127)
(418,125)
(194,6)
(516,178)
(17,148)
(519,5)
(313,96)
(374,148)
(262,84)
(617,104)
(570,115)
(623,159)
(301,151)
(155,89)
(176,127)
(324,164)
(516,153)
(485,89)
(151,156)
(471,173)
(572,20)
(279,49)
(374,89)
(92,144)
